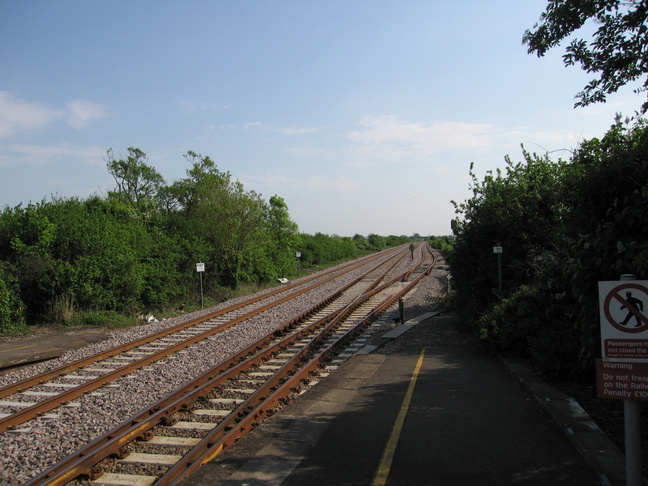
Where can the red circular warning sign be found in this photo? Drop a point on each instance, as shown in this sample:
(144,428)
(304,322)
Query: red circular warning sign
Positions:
(625,296)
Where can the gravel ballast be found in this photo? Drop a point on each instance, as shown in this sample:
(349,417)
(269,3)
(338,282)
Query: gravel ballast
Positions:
(46,441)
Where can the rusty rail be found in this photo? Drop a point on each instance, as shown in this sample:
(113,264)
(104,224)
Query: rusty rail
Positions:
(244,417)
(44,406)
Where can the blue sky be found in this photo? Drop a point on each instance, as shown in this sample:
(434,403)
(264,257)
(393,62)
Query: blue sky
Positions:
(363,115)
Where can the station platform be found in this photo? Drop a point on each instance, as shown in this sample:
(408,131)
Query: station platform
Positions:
(425,406)
(437,410)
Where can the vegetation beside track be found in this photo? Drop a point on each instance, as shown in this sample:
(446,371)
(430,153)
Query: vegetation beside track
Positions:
(563,226)
(104,260)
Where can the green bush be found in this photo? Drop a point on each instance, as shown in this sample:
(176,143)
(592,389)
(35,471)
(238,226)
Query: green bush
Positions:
(530,326)
(101,319)
(62,309)
(509,327)
(12,309)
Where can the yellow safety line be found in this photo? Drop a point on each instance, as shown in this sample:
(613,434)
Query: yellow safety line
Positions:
(15,349)
(380,478)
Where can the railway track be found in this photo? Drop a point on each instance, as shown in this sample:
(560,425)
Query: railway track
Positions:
(38,395)
(191,425)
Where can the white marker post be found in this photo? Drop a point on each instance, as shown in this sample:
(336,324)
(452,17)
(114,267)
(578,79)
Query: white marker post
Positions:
(623,371)
(498,250)
(298,255)
(200,268)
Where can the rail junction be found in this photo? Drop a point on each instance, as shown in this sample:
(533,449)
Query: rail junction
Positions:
(189,426)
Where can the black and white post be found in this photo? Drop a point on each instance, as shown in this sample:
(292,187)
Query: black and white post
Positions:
(298,255)
(200,268)
(498,251)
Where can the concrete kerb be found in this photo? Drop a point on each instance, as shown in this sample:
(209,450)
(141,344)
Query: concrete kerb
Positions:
(589,440)
(396,332)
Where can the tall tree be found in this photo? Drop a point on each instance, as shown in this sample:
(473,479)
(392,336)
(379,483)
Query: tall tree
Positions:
(235,226)
(516,209)
(283,236)
(137,182)
(203,178)
(617,54)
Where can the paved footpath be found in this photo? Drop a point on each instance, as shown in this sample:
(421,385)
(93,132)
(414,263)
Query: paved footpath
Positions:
(49,345)
(437,411)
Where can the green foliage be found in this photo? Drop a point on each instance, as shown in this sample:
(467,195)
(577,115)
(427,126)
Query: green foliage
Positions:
(12,309)
(86,262)
(563,227)
(137,182)
(98,257)
(444,244)
(606,236)
(283,239)
(376,242)
(524,327)
(514,209)
(361,243)
(320,249)
(101,319)
(617,53)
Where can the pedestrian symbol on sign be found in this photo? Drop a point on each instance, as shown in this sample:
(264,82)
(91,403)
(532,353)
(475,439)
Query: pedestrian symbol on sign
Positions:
(634,306)
(620,303)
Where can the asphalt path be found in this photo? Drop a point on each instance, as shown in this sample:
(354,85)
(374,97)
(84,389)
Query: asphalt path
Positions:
(49,344)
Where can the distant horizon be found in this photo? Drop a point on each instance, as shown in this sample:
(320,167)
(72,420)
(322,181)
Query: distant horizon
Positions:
(364,117)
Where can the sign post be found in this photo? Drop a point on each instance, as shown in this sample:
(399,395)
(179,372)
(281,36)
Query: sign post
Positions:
(200,268)
(298,255)
(498,250)
(623,371)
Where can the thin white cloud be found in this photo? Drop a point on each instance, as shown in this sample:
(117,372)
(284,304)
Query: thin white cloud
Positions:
(430,137)
(389,139)
(311,183)
(81,112)
(17,114)
(191,106)
(258,124)
(281,130)
(35,155)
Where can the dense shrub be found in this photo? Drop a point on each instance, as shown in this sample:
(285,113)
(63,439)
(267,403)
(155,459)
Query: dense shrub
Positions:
(102,319)
(528,326)
(321,249)
(563,227)
(442,243)
(80,262)
(12,309)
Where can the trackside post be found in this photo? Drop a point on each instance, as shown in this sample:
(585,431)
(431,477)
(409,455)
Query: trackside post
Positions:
(200,268)
(498,251)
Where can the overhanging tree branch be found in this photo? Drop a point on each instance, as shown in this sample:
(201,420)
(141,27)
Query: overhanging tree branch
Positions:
(617,53)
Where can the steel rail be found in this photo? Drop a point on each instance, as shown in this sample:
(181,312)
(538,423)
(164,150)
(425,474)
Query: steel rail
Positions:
(84,459)
(61,370)
(234,427)
(49,404)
